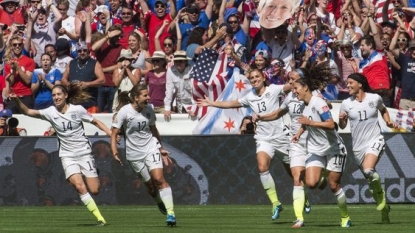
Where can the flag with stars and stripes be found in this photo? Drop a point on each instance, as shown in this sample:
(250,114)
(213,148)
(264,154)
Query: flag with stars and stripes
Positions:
(209,78)
(226,121)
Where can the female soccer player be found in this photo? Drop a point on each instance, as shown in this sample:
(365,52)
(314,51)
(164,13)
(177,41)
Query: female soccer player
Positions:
(324,146)
(143,145)
(270,136)
(74,147)
(368,142)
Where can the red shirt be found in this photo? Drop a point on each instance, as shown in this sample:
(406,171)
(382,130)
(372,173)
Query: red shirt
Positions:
(19,87)
(154,23)
(16,17)
(2,86)
(108,56)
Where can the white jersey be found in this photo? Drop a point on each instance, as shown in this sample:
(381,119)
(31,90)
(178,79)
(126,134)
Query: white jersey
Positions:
(363,117)
(295,109)
(136,125)
(320,141)
(69,128)
(269,101)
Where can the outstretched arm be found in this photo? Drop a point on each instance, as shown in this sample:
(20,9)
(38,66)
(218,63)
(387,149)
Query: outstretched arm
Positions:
(218,104)
(101,126)
(23,108)
(114,148)
(274,115)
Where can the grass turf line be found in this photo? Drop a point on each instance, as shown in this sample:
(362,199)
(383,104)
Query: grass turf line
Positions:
(201,219)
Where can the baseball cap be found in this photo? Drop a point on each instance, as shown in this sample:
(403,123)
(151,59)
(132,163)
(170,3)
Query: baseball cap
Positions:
(62,44)
(162,1)
(6,113)
(411,44)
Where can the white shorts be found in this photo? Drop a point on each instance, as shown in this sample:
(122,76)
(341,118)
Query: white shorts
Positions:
(376,147)
(84,165)
(332,162)
(278,147)
(144,166)
(298,155)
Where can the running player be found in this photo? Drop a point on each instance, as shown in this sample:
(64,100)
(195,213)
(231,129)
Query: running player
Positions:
(270,136)
(324,146)
(143,145)
(368,143)
(74,147)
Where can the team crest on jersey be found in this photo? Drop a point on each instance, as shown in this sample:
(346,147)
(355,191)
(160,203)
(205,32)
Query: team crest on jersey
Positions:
(267,95)
(371,104)
(73,116)
(313,109)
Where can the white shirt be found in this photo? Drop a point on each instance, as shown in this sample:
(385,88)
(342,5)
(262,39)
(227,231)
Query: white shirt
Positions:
(136,125)
(69,128)
(269,101)
(320,141)
(363,117)
(179,84)
(295,109)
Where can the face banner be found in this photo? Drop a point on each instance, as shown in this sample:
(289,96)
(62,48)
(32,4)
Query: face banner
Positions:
(273,13)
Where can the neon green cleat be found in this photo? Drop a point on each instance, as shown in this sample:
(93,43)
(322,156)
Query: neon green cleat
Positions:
(346,222)
(381,201)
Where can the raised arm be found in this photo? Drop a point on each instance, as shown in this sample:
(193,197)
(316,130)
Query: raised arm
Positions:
(23,108)
(206,102)
(100,125)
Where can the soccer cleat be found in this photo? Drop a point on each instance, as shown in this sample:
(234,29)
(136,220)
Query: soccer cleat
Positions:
(307,206)
(385,214)
(298,224)
(101,223)
(381,201)
(171,220)
(276,212)
(162,208)
(346,222)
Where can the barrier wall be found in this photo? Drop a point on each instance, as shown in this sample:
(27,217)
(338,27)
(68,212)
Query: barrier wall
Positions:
(207,170)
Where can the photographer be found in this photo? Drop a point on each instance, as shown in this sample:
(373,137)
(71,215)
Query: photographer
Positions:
(8,125)
(247,126)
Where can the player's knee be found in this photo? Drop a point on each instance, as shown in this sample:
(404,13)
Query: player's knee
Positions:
(94,191)
(334,186)
(80,187)
(311,184)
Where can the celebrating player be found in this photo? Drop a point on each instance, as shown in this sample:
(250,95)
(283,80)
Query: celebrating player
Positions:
(368,142)
(270,136)
(74,147)
(143,145)
(324,146)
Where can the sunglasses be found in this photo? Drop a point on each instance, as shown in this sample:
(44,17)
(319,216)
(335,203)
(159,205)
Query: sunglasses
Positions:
(35,1)
(126,13)
(396,1)
(159,6)
(345,47)
(168,45)
(279,64)
(346,13)
(156,60)
(192,11)
(402,40)
(233,22)
(82,50)
(64,9)
(17,44)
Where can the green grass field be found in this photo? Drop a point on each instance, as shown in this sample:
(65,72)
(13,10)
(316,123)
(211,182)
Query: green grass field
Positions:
(201,219)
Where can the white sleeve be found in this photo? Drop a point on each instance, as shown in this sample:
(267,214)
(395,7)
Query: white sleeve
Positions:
(169,90)
(85,115)
(119,118)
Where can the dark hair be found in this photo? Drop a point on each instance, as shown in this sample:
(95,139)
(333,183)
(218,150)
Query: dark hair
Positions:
(317,75)
(369,40)
(76,94)
(252,69)
(115,27)
(360,78)
(127,97)
(47,54)
(251,126)
(50,45)
(196,36)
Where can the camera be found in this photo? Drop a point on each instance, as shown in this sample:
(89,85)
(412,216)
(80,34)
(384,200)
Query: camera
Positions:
(250,128)
(12,122)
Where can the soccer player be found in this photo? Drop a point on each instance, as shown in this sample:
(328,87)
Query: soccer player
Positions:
(144,151)
(368,143)
(270,137)
(324,146)
(74,147)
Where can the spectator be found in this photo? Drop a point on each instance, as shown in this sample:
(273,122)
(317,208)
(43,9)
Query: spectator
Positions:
(178,85)
(155,20)
(277,74)
(125,77)
(348,65)
(135,42)
(198,40)
(68,30)
(44,32)
(247,126)
(43,80)
(107,51)
(62,48)
(168,44)
(156,80)
(18,71)
(128,25)
(8,124)
(11,13)
(87,73)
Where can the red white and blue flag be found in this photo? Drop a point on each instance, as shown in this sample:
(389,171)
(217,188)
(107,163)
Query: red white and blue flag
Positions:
(209,78)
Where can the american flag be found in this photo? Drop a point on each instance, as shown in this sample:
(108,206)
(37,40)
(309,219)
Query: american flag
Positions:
(209,78)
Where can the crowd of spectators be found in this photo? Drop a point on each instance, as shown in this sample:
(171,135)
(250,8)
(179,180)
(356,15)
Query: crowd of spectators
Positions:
(107,46)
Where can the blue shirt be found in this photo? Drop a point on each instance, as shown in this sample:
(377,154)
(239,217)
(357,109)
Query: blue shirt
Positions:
(43,96)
